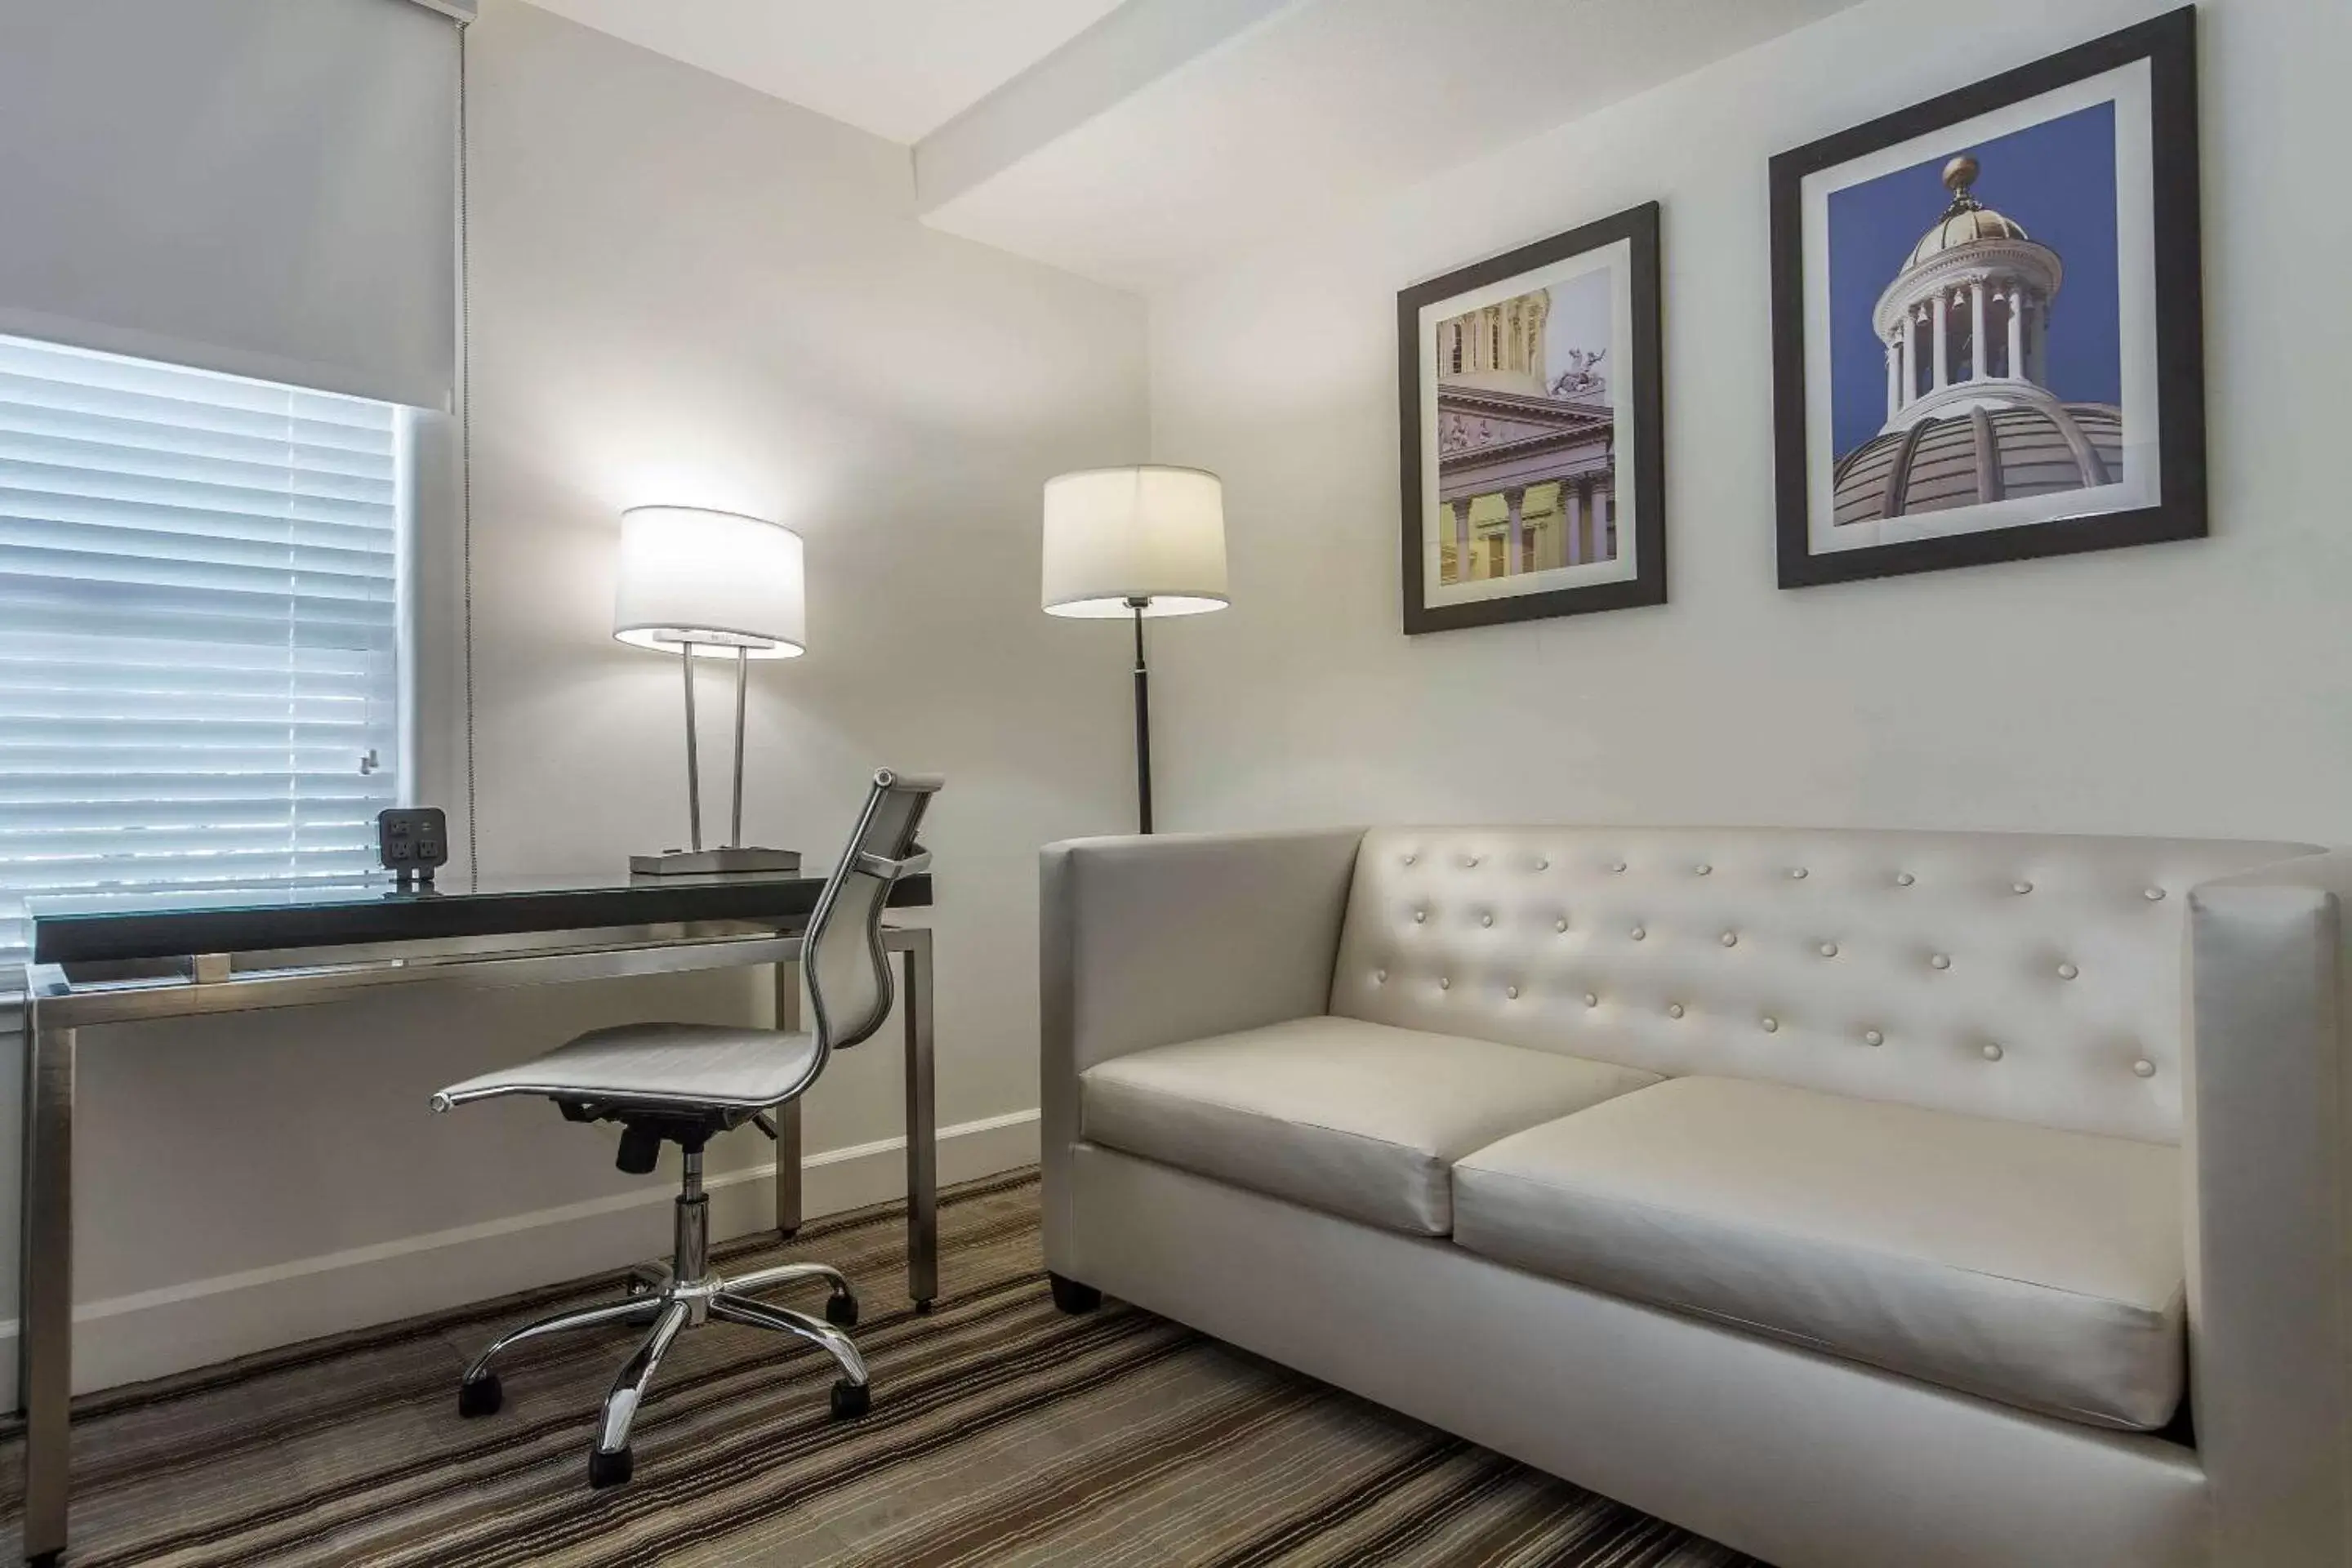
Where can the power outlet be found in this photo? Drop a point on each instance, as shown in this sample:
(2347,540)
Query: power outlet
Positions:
(412,841)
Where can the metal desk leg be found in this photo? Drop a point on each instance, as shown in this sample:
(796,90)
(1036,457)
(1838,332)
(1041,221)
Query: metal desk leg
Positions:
(44,1346)
(922,1129)
(788,1115)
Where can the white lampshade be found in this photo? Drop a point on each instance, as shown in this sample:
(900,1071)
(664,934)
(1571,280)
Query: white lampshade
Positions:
(714,579)
(1113,535)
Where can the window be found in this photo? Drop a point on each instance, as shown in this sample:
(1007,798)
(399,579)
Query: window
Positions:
(199,627)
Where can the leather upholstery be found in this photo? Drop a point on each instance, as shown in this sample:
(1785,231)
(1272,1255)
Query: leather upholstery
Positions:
(2039,1268)
(1803,1460)
(1900,966)
(2270,1141)
(1353,1118)
(1145,942)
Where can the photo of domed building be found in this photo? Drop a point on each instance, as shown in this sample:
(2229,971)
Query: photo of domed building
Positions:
(1971,415)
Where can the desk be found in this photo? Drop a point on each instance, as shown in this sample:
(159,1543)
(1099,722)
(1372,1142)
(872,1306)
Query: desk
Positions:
(134,958)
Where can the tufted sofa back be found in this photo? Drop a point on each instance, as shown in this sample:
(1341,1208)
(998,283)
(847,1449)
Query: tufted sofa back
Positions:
(2034,978)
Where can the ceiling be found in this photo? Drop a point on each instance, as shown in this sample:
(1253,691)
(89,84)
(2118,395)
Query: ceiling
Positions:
(898,68)
(1139,141)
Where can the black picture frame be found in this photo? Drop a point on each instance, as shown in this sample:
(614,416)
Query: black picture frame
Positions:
(2168,44)
(1644,401)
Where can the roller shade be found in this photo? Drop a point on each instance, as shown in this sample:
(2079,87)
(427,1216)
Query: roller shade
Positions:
(266,187)
(199,619)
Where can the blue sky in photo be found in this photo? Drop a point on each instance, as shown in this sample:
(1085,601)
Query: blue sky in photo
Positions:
(2057,179)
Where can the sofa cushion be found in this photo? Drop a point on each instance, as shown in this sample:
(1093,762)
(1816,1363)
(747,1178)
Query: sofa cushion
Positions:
(2039,1268)
(1351,1118)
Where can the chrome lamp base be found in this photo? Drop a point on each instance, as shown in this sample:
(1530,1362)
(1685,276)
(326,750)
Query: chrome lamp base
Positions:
(733,858)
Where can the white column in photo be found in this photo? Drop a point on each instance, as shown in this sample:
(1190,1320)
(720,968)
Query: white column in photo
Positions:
(1601,519)
(1571,505)
(2016,333)
(1977,330)
(1943,309)
(1515,555)
(1910,359)
(1893,377)
(1461,541)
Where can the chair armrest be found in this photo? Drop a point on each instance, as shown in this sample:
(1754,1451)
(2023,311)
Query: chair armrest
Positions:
(1148,941)
(2269,1140)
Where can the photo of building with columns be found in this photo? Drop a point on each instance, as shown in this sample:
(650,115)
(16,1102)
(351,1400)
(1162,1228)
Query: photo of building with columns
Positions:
(1971,414)
(1527,472)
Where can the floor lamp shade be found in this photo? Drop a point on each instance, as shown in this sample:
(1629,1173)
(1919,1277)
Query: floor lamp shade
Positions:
(721,583)
(1148,539)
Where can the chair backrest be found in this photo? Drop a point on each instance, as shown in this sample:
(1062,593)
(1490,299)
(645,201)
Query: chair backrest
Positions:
(848,973)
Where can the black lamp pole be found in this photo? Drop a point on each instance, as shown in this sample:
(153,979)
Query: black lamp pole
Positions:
(1142,723)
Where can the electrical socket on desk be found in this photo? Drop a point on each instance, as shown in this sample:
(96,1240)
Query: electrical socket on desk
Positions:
(411,841)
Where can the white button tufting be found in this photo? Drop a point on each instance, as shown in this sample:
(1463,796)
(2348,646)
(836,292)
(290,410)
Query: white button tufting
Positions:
(1543,864)
(1469,860)
(1872,1037)
(2020,887)
(1731,939)
(2153,895)
(1512,992)
(1829,950)
(1992,1053)
(1771,1026)
(1617,865)
(1485,920)
(1445,982)
(1419,916)
(1382,975)
(1559,924)
(2144,1067)
(1591,999)
(1410,858)
(1799,873)
(2067,972)
(1639,933)
(1939,962)
(1903,878)
(1702,869)
(1674,1010)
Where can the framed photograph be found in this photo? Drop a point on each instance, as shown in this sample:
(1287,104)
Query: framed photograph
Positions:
(1987,319)
(1532,431)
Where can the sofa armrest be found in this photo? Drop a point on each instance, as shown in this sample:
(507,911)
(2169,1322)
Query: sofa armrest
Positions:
(2269,1136)
(1148,941)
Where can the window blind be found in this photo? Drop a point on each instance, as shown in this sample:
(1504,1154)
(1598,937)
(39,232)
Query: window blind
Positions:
(199,627)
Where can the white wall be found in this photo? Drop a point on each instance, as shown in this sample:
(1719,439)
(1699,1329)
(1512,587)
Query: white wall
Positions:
(2202,688)
(682,291)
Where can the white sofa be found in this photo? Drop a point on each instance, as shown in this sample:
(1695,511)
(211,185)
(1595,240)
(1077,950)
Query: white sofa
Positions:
(1855,1198)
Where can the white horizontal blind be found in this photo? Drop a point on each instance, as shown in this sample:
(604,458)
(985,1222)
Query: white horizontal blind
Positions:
(199,627)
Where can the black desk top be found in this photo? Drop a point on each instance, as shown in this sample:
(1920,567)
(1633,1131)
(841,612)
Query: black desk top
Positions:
(261,917)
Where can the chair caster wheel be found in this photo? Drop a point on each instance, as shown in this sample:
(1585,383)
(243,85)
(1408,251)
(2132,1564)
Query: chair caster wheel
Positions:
(480,1395)
(1072,1297)
(923,1308)
(841,1312)
(851,1400)
(609,1470)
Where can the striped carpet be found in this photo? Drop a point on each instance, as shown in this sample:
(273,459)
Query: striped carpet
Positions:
(1002,1432)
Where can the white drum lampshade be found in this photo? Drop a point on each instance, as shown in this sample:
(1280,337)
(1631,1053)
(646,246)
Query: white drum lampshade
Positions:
(711,584)
(1114,536)
(715,581)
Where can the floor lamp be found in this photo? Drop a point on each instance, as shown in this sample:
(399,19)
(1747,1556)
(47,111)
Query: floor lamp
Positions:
(710,585)
(1131,543)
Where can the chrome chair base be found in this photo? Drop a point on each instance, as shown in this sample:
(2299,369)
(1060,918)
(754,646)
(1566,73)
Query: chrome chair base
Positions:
(684,1294)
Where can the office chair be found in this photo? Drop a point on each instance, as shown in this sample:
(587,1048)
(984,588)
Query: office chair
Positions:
(682,1084)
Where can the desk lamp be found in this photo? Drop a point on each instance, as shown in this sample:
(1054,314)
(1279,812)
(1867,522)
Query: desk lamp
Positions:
(710,585)
(1135,541)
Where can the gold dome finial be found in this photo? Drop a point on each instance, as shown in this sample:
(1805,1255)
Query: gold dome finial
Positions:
(1961,174)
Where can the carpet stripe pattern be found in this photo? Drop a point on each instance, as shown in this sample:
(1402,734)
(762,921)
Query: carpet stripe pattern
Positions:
(1002,1433)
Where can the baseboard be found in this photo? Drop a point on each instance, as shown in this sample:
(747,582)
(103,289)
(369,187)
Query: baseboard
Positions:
(127,1338)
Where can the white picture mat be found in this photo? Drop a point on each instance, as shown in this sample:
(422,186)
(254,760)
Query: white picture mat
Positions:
(1618,259)
(2128,88)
